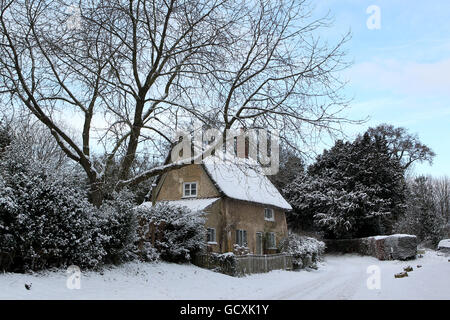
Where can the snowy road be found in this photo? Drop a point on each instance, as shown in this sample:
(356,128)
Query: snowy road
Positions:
(338,281)
(346,277)
(339,277)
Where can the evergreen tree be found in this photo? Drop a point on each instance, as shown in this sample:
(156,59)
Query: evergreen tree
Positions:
(353,190)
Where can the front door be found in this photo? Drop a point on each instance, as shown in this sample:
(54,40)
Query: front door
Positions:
(259,243)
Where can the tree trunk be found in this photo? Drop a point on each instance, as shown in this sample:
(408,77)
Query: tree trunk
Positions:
(96,193)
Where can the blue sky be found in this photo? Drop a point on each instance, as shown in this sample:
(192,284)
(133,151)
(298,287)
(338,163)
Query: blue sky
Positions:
(400,72)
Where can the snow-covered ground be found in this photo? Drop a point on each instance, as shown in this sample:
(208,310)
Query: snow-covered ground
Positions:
(339,277)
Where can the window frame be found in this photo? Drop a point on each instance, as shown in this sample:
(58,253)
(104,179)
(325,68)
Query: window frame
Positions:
(272,216)
(269,244)
(214,241)
(190,189)
(241,236)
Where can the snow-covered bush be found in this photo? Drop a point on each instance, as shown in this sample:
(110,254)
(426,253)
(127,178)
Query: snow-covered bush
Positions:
(121,231)
(5,137)
(44,221)
(240,250)
(225,263)
(118,226)
(178,232)
(305,251)
(8,207)
(47,221)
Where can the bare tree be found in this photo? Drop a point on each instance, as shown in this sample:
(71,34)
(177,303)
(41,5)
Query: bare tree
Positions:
(40,143)
(143,69)
(405,147)
(441,186)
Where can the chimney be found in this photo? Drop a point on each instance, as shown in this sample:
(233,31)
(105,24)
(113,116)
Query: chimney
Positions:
(242,144)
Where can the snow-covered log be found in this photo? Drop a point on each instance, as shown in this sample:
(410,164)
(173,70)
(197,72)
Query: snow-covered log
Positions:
(444,246)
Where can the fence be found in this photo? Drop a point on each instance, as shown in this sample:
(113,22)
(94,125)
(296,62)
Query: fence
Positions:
(235,265)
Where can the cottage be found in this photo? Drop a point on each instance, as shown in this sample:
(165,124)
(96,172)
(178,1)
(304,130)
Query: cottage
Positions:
(243,207)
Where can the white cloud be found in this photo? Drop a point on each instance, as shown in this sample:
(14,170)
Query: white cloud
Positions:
(398,77)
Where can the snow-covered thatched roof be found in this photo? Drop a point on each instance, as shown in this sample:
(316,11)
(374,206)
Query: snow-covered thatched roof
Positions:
(243,179)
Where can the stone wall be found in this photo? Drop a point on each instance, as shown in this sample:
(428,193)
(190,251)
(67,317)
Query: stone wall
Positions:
(393,247)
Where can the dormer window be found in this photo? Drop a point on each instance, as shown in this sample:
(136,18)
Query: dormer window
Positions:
(189,189)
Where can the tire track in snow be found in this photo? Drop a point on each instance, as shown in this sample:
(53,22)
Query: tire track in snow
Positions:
(335,283)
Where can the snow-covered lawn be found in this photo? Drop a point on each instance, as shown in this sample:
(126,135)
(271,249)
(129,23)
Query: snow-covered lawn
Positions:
(339,277)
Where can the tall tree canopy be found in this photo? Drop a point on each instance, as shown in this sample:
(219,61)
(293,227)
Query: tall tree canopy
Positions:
(403,146)
(351,190)
(135,71)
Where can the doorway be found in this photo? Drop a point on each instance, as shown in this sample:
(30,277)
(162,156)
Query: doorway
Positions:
(259,243)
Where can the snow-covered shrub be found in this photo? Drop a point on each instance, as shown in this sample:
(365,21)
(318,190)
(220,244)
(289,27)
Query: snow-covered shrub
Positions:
(44,221)
(118,226)
(178,232)
(121,231)
(147,252)
(47,221)
(305,251)
(5,137)
(8,207)
(225,263)
(240,250)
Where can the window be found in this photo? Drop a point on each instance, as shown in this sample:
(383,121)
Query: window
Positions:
(211,235)
(268,214)
(270,238)
(241,238)
(190,189)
